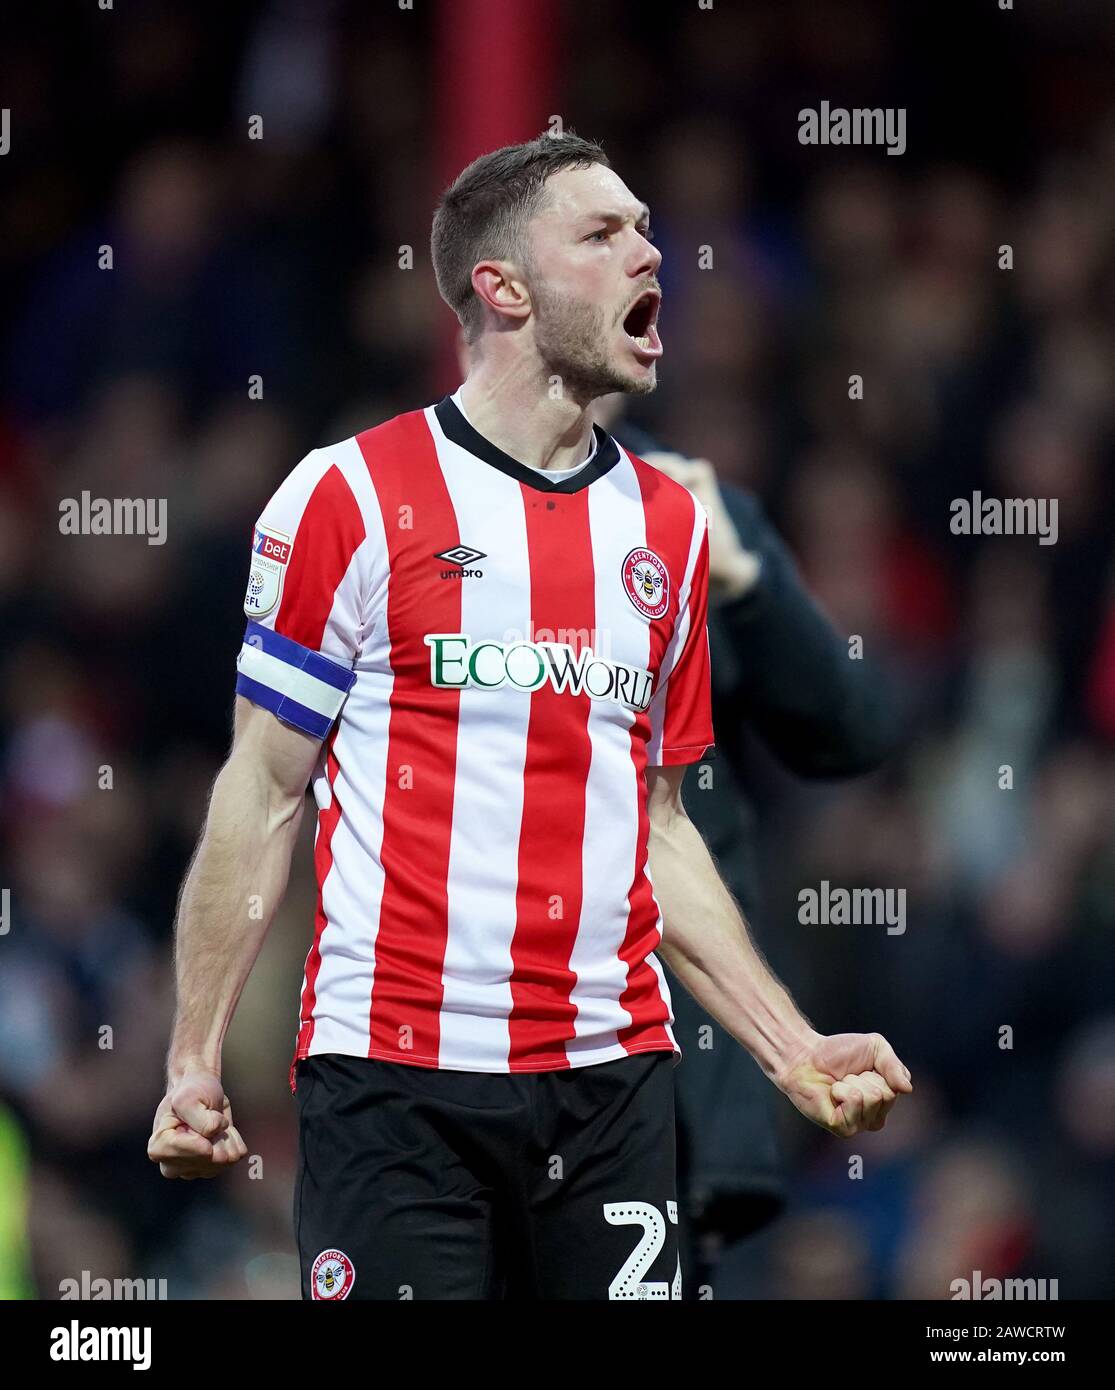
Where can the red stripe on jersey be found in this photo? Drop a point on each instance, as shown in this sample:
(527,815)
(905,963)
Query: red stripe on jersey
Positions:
(670,536)
(415,503)
(323,862)
(550,887)
(332,517)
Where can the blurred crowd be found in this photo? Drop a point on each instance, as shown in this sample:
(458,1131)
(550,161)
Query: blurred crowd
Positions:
(278,261)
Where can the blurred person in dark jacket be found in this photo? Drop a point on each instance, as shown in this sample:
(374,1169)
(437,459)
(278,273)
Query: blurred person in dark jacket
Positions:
(781,670)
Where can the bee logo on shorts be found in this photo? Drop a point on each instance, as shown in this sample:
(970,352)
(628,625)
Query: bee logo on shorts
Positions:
(647,582)
(332,1275)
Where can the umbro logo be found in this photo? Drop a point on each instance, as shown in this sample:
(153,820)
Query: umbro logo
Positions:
(462,556)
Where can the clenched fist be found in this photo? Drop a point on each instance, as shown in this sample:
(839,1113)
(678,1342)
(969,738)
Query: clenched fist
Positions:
(193,1135)
(845,1083)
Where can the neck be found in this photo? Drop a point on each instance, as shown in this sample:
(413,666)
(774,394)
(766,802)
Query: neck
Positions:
(511,406)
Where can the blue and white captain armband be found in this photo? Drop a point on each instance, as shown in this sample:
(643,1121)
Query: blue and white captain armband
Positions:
(301,686)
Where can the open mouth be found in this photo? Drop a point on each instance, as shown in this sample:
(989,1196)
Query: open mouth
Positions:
(641,322)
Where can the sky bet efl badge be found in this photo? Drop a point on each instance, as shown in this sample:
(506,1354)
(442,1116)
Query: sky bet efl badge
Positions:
(646,582)
(332,1275)
(270,556)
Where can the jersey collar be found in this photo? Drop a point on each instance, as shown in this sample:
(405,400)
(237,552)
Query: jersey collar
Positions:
(457,428)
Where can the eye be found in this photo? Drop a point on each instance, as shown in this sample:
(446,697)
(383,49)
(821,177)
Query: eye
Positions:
(593,235)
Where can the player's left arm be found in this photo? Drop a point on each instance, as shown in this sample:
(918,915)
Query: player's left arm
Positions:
(845,1082)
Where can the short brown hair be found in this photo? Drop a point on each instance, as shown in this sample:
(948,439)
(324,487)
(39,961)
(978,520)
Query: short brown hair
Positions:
(485,210)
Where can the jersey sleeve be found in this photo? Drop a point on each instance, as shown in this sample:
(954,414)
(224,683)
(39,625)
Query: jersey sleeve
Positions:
(681,707)
(305,598)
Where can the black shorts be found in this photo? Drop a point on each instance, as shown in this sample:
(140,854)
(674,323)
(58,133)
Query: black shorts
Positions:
(416,1183)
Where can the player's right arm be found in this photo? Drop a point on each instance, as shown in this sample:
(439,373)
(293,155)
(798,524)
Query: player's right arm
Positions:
(306,610)
(234,885)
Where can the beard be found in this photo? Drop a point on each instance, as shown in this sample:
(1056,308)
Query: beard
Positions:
(572,337)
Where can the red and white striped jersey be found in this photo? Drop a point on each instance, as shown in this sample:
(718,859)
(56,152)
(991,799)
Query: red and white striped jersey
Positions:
(491,659)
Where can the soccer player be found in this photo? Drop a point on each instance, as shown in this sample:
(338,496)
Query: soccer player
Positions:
(479,629)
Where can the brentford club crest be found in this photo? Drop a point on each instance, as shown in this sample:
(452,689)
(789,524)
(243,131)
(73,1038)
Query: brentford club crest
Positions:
(647,582)
(332,1275)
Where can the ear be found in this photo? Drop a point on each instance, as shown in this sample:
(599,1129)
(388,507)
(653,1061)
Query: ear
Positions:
(498,286)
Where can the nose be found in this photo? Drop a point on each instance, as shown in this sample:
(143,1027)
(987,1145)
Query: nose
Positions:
(648,257)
